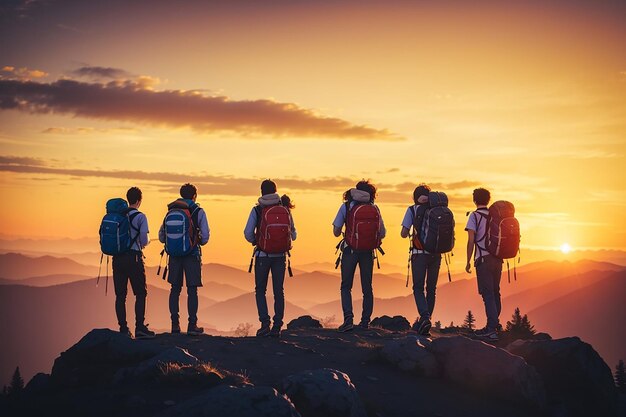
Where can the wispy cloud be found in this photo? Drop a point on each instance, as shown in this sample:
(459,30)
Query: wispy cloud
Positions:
(85,130)
(135,101)
(101,73)
(21,161)
(23,73)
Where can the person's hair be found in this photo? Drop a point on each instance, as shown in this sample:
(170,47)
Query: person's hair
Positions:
(285,200)
(481,196)
(268,187)
(419,191)
(133,195)
(365,185)
(188,190)
(347,196)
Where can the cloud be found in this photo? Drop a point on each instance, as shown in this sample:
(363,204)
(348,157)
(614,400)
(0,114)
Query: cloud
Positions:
(438,186)
(23,73)
(85,130)
(20,161)
(99,73)
(135,101)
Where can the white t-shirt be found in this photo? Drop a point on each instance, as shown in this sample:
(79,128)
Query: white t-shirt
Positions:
(478,224)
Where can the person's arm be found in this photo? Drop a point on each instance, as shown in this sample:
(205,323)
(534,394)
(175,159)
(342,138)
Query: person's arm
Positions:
(340,219)
(249,230)
(205,232)
(407,222)
(470,250)
(143,231)
(404,232)
(294,234)
(383,231)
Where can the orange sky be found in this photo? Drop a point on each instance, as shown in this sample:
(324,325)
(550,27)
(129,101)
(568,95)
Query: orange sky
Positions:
(526,99)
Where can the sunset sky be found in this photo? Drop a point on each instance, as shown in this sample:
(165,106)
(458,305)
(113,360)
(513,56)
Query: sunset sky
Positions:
(527,99)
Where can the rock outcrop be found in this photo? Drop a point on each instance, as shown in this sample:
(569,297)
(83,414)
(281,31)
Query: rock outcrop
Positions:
(410,354)
(323,393)
(304,322)
(395,323)
(577,380)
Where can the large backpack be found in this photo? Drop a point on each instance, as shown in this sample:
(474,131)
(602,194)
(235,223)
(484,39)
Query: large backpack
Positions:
(502,234)
(115,228)
(363,226)
(181,228)
(273,232)
(437,226)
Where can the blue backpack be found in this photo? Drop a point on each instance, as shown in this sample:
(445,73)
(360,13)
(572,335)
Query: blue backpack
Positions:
(180,226)
(115,228)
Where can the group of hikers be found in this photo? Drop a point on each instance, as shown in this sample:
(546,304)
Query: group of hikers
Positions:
(493,235)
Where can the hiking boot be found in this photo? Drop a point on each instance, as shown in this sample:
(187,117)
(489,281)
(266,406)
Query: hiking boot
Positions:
(264,331)
(363,325)
(275,332)
(194,330)
(142,332)
(424,327)
(175,328)
(126,332)
(346,326)
(487,334)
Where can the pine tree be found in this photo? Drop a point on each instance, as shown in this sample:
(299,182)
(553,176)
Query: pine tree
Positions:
(469,321)
(520,326)
(17,383)
(451,325)
(438,325)
(620,376)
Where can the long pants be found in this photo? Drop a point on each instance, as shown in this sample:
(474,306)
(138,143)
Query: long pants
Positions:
(488,274)
(349,261)
(191,266)
(129,267)
(262,268)
(425,269)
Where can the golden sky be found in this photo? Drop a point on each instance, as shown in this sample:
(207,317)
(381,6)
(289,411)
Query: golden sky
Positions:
(527,99)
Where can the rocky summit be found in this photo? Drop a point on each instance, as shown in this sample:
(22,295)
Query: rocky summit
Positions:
(316,372)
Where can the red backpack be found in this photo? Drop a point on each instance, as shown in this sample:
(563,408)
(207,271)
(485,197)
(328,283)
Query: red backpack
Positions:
(273,232)
(363,227)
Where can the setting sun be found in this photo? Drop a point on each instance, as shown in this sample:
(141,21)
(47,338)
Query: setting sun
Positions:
(566,248)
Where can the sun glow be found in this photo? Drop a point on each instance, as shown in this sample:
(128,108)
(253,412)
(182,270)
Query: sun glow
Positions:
(566,248)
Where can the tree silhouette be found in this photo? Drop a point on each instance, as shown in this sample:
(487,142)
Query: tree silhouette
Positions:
(469,320)
(620,376)
(17,382)
(438,325)
(520,326)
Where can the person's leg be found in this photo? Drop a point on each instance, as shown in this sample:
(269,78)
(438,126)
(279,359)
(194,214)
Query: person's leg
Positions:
(432,275)
(192,265)
(348,268)
(418,269)
(366,270)
(175,278)
(139,286)
(485,280)
(278,281)
(261,273)
(120,284)
(497,276)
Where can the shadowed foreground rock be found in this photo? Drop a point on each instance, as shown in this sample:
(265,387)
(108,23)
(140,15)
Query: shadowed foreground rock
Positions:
(223,401)
(488,369)
(578,381)
(323,393)
(304,322)
(395,323)
(409,354)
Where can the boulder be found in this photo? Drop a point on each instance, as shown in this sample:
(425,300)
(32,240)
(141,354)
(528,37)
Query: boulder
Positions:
(323,393)
(409,354)
(95,359)
(395,323)
(225,400)
(485,368)
(304,322)
(38,384)
(576,377)
(152,367)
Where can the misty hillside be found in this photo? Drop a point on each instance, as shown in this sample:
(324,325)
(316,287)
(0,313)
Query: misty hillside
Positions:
(17,266)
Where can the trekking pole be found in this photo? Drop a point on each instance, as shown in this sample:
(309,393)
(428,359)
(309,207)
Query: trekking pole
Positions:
(167,258)
(338,249)
(251,260)
(445,257)
(508,270)
(106,285)
(289,264)
(99,269)
(375,255)
(408,262)
(160,260)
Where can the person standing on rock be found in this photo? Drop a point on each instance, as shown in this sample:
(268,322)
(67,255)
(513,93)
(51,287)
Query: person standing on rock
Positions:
(270,229)
(364,231)
(184,230)
(129,266)
(488,267)
(424,265)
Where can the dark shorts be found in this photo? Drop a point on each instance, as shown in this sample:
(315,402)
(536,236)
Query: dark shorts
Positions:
(191,265)
(129,267)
